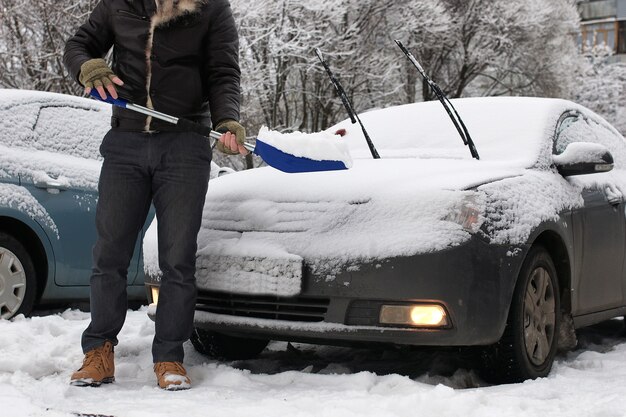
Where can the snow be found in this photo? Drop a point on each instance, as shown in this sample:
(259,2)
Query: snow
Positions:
(578,152)
(177,382)
(33,165)
(511,129)
(52,136)
(254,275)
(56,123)
(318,146)
(38,355)
(404,204)
(18,198)
(516,206)
(48,138)
(376,209)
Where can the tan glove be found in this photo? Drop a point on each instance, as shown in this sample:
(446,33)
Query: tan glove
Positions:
(235,128)
(95,73)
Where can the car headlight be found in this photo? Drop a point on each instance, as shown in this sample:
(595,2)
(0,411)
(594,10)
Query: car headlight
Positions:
(468,213)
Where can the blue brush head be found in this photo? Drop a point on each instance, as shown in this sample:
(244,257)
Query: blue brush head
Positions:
(293,164)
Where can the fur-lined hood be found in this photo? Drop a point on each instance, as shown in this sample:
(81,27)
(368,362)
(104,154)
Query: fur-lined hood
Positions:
(169,10)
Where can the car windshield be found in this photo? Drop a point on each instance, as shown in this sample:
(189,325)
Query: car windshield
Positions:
(510,129)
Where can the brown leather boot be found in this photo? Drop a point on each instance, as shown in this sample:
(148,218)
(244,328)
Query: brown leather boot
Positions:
(172,376)
(98,368)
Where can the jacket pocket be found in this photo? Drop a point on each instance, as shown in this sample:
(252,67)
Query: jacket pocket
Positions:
(132,15)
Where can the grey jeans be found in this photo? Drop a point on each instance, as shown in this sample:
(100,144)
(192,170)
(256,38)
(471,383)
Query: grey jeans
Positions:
(171,171)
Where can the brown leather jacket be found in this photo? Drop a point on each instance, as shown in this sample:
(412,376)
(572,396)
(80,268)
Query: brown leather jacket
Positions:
(178,56)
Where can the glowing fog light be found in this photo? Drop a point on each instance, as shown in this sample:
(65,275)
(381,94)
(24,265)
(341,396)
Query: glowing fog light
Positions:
(155,295)
(423,315)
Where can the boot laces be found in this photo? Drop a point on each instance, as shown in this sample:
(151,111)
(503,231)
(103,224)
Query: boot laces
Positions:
(95,358)
(170,367)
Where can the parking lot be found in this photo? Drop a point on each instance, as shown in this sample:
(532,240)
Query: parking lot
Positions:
(37,356)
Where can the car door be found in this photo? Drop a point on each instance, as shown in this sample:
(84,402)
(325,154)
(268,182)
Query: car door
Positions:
(600,225)
(67,135)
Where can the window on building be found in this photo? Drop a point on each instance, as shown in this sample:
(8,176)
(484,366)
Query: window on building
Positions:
(597,34)
(621,37)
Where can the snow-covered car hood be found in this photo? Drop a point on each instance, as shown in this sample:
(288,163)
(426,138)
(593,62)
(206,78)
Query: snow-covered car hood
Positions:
(367,180)
(270,223)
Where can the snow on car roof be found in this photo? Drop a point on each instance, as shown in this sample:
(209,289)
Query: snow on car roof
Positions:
(12,97)
(512,129)
(51,135)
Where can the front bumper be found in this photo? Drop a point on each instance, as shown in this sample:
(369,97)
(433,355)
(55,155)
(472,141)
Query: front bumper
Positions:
(474,282)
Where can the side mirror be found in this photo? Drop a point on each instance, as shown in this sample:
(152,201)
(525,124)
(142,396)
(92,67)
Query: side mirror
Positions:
(581,158)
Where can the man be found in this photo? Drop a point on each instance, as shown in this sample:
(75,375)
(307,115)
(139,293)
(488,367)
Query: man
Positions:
(178,57)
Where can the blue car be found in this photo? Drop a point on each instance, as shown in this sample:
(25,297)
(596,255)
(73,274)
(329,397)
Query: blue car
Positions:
(49,168)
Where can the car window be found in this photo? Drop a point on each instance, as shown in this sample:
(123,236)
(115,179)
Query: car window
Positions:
(16,124)
(582,128)
(70,130)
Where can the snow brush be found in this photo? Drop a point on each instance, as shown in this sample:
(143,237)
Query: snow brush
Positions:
(274,157)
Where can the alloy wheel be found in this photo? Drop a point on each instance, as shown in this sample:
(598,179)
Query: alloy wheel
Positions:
(12,283)
(539,316)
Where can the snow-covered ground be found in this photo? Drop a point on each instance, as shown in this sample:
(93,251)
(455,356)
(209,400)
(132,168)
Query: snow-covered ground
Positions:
(37,356)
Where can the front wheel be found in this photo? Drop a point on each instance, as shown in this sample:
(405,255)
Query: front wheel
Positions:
(221,346)
(529,343)
(18,282)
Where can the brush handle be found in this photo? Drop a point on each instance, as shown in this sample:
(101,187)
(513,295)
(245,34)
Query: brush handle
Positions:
(114,101)
(183,124)
(189,126)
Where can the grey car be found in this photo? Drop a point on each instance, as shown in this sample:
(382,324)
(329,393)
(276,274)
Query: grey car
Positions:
(506,255)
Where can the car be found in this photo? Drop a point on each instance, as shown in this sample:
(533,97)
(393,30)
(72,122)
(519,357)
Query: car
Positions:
(505,255)
(49,169)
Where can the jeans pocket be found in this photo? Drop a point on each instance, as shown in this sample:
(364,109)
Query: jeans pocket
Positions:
(204,146)
(103,145)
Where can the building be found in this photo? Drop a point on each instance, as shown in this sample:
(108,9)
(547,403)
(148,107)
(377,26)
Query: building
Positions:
(604,22)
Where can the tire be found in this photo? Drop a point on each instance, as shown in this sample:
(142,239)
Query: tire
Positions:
(529,343)
(18,281)
(220,346)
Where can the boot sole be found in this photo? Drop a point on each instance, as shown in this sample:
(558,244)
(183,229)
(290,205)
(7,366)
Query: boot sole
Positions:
(175,388)
(89,383)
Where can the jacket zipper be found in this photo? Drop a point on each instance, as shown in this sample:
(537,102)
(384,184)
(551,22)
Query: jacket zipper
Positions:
(132,15)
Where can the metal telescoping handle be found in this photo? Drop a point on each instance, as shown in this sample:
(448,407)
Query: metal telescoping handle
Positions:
(184,124)
(152,113)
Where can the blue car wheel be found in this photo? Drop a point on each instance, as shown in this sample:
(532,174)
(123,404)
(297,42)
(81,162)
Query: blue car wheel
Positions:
(18,283)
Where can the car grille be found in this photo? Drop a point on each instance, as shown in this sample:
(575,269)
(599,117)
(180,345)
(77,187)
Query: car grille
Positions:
(363,313)
(265,307)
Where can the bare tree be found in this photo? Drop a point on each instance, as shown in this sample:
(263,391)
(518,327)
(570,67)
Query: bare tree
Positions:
(33,34)
(470,47)
(601,85)
(496,47)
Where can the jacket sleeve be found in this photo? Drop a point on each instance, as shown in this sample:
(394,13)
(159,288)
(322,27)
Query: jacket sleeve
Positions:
(92,40)
(221,65)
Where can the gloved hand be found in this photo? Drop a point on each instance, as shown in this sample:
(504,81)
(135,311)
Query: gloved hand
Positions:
(95,73)
(231,143)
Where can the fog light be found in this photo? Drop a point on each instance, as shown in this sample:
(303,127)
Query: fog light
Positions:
(155,295)
(422,315)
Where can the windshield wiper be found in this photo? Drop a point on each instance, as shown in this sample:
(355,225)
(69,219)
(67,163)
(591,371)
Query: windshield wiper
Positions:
(354,117)
(454,115)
